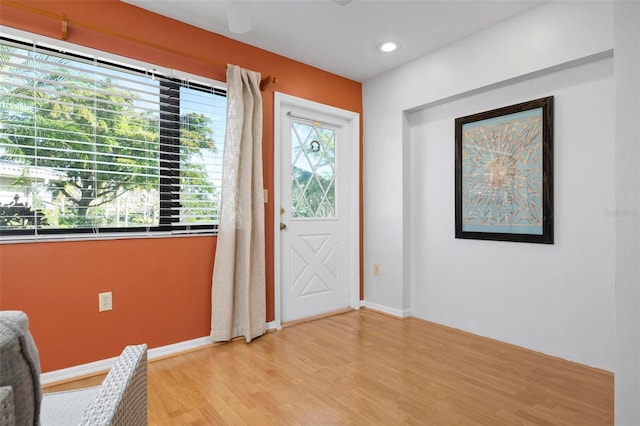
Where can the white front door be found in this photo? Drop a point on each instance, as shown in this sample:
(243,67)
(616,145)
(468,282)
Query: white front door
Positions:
(317,209)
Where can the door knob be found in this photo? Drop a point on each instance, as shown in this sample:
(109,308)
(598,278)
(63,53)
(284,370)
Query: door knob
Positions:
(282,226)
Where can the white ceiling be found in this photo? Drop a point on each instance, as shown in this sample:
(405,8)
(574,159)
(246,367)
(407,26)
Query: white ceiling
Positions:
(343,39)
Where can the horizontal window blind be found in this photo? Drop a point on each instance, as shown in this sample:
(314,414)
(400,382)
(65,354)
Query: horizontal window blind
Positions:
(92,146)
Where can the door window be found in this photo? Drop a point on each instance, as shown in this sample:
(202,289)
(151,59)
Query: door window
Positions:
(313,171)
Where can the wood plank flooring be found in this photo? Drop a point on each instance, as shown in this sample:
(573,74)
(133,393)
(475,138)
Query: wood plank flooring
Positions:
(365,368)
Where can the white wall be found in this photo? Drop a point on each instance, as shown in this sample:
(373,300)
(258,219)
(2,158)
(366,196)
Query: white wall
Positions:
(540,41)
(627,347)
(557,299)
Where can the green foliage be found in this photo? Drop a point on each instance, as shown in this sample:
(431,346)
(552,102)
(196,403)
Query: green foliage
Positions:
(93,144)
(313,193)
(309,194)
(96,135)
(197,193)
(20,216)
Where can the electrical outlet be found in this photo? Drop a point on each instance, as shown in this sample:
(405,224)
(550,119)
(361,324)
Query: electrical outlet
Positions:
(105,302)
(376,269)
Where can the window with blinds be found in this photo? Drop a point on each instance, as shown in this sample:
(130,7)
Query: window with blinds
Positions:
(89,145)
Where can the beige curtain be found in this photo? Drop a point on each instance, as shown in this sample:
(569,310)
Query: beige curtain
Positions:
(238,293)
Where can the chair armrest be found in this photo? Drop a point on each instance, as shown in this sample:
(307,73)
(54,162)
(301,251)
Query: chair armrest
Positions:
(122,397)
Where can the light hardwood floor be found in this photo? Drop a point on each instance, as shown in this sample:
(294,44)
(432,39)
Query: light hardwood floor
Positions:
(366,368)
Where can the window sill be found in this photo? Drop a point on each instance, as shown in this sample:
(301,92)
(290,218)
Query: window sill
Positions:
(51,238)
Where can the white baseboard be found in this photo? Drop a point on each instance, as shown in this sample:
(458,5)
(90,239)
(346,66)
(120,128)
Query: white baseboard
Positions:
(176,348)
(78,371)
(97,367)
(387,310)
(271,325)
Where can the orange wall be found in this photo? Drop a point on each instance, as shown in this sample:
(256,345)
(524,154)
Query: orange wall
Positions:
(161,286)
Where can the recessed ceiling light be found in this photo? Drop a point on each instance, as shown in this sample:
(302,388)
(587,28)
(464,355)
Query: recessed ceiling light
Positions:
(387,46)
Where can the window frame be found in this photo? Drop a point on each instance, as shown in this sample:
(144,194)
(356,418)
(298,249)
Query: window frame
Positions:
(169,142)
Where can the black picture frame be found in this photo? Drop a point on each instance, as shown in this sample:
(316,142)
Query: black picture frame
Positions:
(504,173)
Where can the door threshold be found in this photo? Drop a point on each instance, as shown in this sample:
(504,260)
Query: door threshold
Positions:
(317,317)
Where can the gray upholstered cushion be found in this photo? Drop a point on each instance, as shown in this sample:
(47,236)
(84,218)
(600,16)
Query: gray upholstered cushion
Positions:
(7,410)
(20,366)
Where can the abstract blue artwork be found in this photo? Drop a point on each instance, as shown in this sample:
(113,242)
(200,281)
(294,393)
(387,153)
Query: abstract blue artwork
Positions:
(504,173)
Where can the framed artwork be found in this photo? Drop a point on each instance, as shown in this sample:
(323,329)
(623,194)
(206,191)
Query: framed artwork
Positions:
(504,173)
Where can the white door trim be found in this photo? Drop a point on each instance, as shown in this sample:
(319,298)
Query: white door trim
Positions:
(282,101)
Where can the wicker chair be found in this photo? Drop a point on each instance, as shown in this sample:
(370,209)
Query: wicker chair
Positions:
(121,399)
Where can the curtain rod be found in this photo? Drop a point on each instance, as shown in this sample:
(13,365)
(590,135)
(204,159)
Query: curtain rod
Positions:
(64,32)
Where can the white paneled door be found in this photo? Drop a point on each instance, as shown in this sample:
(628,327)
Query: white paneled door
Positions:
(316,211)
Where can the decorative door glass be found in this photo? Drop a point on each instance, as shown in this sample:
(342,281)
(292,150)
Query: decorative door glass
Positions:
(313,168)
